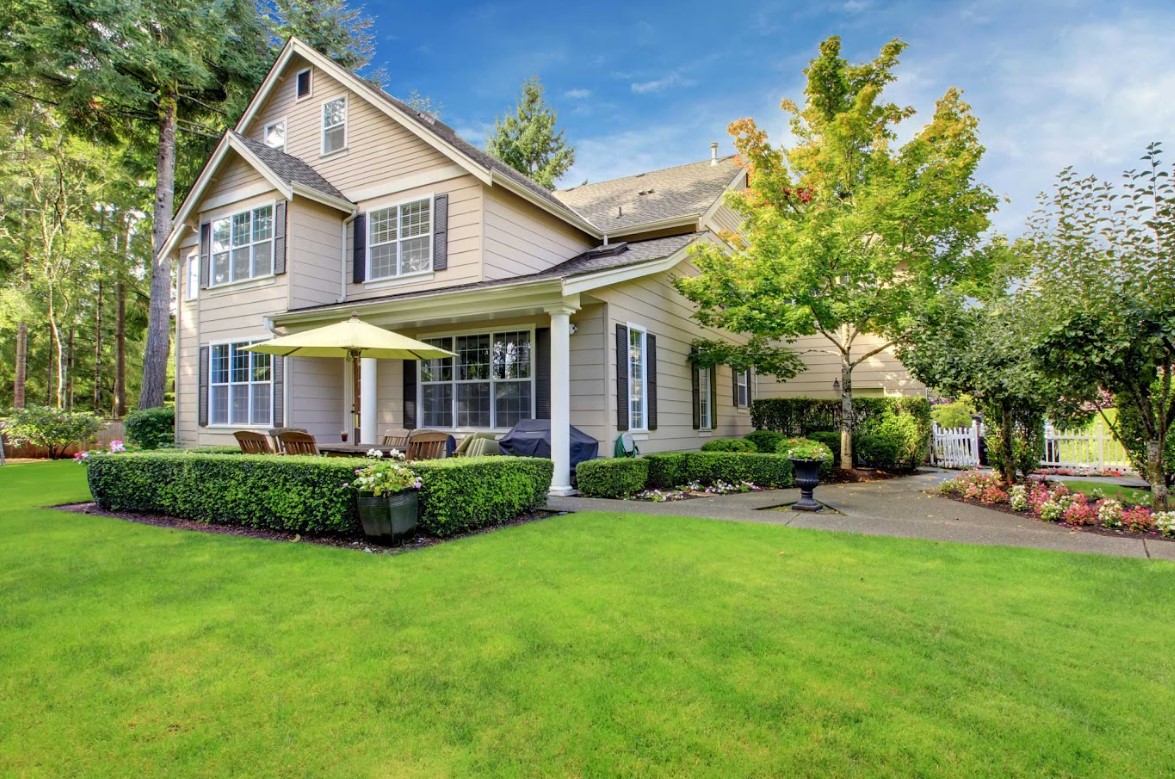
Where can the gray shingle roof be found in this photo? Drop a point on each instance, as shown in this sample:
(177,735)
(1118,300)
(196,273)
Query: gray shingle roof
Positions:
(289,168)
(601,258)
(683,191)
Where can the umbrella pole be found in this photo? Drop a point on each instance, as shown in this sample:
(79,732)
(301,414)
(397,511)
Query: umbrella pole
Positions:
(355,400)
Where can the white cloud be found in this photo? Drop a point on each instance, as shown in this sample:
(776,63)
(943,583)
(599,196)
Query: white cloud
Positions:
(660,84)
(577,94)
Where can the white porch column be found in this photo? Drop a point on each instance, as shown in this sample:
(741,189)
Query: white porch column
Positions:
(561,398)
(368,403)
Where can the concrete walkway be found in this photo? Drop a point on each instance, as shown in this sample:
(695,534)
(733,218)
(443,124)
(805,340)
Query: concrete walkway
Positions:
(896,507)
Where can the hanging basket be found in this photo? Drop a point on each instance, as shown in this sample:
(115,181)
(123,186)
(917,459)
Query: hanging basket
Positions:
(389,518)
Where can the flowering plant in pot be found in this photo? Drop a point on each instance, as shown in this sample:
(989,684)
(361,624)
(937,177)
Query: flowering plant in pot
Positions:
(388,499)
(806,456)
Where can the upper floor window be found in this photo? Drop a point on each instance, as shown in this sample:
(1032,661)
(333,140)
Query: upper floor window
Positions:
(274,135)
(192,281)
(303,83)
(334,125)
(240,390)
(399,240)
(637,400)
(242,246)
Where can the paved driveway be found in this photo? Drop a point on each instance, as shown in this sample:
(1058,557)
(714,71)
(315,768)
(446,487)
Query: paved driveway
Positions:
(896,507)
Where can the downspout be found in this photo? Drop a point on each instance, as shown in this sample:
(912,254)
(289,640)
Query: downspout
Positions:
(343,257)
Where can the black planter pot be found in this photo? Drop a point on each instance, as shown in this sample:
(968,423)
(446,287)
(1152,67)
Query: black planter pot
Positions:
(807,475)
(388,517)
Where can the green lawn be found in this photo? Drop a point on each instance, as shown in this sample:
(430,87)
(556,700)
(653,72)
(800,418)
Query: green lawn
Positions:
(585,645)
(1106,490)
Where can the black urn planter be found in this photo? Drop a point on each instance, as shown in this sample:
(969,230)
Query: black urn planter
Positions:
(388,518)
(807,475)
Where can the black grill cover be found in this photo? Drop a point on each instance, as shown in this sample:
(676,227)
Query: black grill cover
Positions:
(532,438)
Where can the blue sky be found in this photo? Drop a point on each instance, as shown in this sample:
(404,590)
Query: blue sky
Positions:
(640,86)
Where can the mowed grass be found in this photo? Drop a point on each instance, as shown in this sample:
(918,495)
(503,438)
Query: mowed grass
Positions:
(1108,490)
(584,645)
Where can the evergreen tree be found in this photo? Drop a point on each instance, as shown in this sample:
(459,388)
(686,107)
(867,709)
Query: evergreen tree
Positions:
(528,141)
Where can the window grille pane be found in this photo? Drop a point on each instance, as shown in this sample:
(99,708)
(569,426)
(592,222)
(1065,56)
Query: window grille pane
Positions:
(262,404)
(334,113)
(260,363)
(414,219)
(239,404)
(263,223)
(383,261)
(263,258)
(473,405)
(218,405)
(221,231)
(415,255)
(240,263)
(382,226)
(219,367)
(241,232)
(220,269)
(333,140)
(636,378)
(437,370)
(473,359)
(240,364)
(511,403)
(704,398)
(512,356)
(437,405)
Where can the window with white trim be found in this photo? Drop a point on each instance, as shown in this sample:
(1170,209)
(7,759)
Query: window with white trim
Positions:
(399,240)
(489,384)
(705,399)
(334,125)
(742,391)
(192,279)
(303,84)
(638,402)
(240,387)
(242,246)
(274,135)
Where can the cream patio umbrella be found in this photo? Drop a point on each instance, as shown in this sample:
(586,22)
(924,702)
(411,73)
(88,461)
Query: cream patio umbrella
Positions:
(352,338)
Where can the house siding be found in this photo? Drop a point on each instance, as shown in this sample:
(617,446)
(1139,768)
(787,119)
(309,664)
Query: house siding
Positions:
(312,253)
(522,239)
(881,373)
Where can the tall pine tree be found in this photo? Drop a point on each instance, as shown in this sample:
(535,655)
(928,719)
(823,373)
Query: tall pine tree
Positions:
(528,140)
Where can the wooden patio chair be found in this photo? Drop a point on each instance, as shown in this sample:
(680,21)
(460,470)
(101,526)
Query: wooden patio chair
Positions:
(293,442)
(274,432)
(427,445)
(252,443)
(396,440)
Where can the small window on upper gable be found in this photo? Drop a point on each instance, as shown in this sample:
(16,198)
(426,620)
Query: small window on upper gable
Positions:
(274,135)
(303,79)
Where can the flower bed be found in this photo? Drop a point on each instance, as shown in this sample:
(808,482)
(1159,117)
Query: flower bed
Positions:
(1055,502)
(696,490)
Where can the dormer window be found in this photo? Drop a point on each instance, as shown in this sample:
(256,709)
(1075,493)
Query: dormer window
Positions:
(334,125)
(274,135)
(303,83)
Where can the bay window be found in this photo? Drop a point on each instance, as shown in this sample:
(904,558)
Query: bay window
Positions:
(489,384)
(240,387)
(242,246)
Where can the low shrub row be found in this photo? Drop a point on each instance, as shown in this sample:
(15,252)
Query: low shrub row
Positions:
(151,428)
(307,494)
(615,477)
(730,445)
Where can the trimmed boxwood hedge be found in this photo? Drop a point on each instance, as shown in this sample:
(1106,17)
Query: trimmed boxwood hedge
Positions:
(616,477)
(766,441)
(306,494)
(729,445)
(150,428)
(672,469)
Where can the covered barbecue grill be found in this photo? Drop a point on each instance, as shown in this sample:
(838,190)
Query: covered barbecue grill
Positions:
(532,438)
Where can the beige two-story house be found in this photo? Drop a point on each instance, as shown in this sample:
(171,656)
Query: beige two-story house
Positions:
(331,197)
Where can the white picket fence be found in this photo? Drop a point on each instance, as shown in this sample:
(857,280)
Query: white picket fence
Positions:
(955,447)
(1096,448)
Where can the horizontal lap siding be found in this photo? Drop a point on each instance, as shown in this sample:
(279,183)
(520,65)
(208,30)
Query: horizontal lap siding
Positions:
(521,239)
(882,372)
(234,174)
(589,374)
(313,260)
(653,303)
(316,396)
(187,353)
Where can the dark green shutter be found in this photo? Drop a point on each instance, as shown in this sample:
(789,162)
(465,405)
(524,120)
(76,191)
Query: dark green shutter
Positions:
(202,399)
(277,365)
(651,379)
(542,373)
(695,393)
(621,377)
(359,249)
(409,367)
(440,234)
(205,253)
(713,397)
(279,241)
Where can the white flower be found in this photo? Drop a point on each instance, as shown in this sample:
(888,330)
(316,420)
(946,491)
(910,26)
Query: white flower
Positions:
(376,453)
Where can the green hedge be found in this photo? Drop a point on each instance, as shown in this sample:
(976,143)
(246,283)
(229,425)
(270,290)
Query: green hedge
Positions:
(150,428)
(899,441)
(306,494)
(829,438)
(616,477)
(766,441)
(729,445)
(673,469)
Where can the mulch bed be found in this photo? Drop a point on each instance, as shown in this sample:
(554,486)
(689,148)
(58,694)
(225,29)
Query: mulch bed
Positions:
(860,475)
(356,544)
(1098,529)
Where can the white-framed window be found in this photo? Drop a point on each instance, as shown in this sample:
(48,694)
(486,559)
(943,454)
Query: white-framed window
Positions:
(399,239)
(638,401)
(705,399)
(274,135)
(334,125)
(242,246)
(192,278)
(240,386)
(303,84)
(489,384)
(742,388)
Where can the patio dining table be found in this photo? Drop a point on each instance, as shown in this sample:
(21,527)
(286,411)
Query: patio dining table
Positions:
(355,450)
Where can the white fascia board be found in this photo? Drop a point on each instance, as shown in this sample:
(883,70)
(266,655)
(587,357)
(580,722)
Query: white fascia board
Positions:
(720,200)
(608,278)
(345,206)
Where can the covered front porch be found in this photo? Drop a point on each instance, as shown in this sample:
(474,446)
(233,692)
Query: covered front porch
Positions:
(523,351)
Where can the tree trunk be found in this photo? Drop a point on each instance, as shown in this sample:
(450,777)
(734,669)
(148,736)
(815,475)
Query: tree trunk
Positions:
(1158,473)
(70,361)
(22,365)
(96,401)
(120,350)
(158,318)
(846,411)
(1007,446)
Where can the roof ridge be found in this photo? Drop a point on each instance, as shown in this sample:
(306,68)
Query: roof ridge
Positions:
(708,161)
